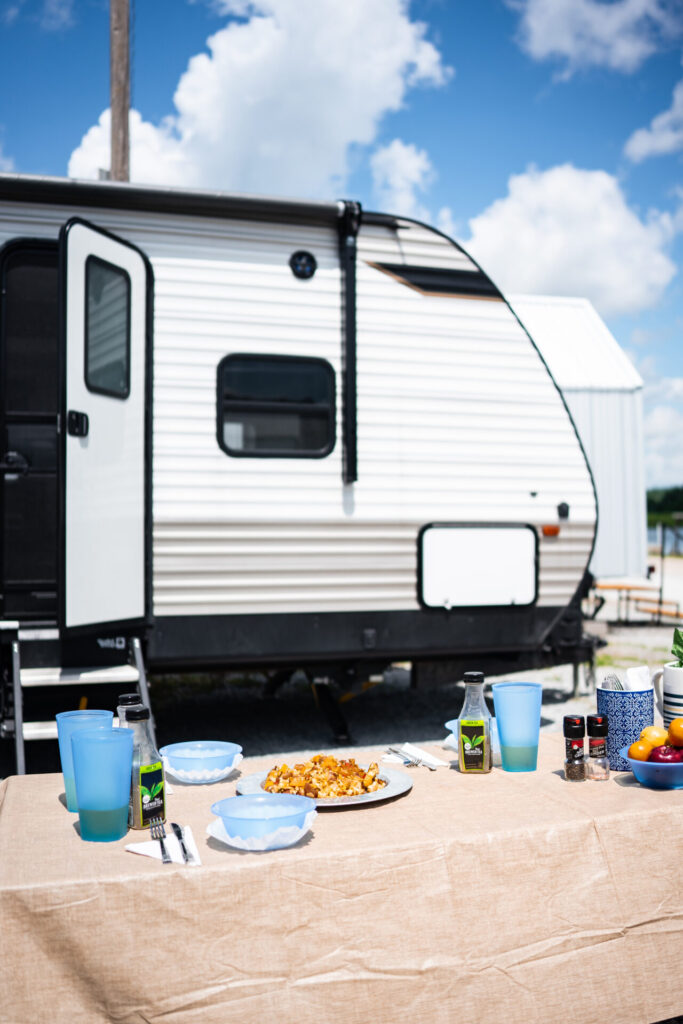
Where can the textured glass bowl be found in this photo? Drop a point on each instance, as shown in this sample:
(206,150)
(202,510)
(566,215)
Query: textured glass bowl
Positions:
(262,813)
(201,760)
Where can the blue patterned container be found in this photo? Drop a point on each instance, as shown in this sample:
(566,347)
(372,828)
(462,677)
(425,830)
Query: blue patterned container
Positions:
(628,712)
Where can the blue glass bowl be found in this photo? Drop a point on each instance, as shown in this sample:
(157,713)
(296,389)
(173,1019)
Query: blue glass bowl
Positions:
(200,756)
(653,774)
(260,814)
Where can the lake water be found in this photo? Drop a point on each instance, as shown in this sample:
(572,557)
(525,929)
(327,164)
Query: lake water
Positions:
(654,540)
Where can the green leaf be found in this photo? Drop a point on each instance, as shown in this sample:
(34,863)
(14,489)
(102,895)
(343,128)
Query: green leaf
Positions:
(145,792)
(156,789)
(477,740)
(677,648)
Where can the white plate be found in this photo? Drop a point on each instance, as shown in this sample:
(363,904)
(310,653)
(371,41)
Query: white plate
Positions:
(200,778)
(397,783)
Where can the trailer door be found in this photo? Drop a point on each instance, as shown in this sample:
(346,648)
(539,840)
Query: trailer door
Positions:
(104,427)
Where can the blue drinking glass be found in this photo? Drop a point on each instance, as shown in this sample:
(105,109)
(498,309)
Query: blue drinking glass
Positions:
(103,765)
(518,716)
(67,723)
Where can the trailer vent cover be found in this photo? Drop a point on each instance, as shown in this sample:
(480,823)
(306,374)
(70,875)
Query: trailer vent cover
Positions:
(303,264)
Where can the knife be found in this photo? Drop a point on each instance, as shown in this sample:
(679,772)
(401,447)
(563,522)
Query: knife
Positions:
(178,833)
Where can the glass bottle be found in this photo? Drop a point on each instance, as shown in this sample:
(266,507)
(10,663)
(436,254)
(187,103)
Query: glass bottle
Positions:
(127,701)
(597,765)
(148,787)
(574,765)
(474,727)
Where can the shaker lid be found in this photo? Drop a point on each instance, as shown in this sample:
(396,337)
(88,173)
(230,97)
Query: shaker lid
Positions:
(574,726)
(473,677)
(597,725)
(127,699)
(139,714)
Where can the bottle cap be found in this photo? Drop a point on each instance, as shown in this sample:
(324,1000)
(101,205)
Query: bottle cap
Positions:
(574,726)
(127,699)
(139,714)
(473,677)
(597,725)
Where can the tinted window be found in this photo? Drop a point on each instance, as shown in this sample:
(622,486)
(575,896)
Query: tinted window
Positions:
(276,405)
(107,328)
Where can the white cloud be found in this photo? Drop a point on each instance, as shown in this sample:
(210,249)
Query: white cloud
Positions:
(279,99)
(663,426)
(445,222)
(6,163)
(56,14)
(619,35)
(665,134)
(567,231)
(399,172)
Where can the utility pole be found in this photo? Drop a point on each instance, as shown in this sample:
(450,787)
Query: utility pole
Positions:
(119,76)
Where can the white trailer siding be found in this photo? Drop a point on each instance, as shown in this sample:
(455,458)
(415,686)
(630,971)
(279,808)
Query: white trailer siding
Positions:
(458,420)
(604,393)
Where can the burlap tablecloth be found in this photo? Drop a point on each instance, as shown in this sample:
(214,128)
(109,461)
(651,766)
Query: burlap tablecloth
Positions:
(497,898)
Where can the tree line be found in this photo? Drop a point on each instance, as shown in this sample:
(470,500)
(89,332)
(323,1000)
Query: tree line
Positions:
(662,502)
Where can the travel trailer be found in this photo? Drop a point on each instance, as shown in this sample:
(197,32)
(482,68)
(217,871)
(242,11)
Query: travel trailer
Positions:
(278,434)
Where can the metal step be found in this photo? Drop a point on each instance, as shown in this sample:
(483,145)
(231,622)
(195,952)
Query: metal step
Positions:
(40,730)
(58,676)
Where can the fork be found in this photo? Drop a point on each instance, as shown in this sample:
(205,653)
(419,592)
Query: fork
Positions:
(410,759)
(156,827)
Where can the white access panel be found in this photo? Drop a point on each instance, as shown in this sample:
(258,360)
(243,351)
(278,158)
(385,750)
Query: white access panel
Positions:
(104,557)
(474,566)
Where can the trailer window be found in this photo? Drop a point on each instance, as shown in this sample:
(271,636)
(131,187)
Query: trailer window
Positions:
(276,406)
(107,328)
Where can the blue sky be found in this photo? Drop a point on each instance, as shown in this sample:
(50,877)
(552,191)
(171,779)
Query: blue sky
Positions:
(545,135)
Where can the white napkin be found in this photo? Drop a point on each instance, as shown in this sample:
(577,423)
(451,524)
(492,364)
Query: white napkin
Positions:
(412,751)
(639,678)
(152,848)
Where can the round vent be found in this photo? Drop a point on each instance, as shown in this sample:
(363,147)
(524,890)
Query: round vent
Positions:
(303,264)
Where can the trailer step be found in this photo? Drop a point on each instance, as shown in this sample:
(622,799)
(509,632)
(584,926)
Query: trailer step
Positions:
(40,730)
(58,676)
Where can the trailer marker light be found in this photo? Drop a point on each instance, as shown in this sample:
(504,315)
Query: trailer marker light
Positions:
(550,530)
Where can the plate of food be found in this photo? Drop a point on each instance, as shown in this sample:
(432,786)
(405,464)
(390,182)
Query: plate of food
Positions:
(330,782)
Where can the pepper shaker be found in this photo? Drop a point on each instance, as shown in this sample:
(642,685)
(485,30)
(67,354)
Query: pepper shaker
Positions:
(574,764)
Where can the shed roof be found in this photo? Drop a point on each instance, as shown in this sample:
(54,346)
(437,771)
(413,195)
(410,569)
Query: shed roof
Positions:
(580,350)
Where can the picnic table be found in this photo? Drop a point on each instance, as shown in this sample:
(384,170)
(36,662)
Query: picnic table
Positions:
(515,897)
(627,591)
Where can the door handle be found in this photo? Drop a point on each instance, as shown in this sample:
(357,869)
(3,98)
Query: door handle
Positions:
(15,463)
(77,423)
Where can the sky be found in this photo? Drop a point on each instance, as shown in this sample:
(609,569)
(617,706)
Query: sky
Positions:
(546,136)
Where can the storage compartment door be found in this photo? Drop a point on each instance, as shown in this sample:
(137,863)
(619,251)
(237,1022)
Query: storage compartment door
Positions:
(477,565)
(104,430)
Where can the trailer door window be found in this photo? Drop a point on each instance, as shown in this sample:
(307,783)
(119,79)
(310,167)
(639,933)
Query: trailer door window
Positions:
(276,406)
(107,328)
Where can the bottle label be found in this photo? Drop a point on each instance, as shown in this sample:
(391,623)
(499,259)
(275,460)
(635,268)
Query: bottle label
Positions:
(473,747)
(573,749)
(151,791)
(597,747)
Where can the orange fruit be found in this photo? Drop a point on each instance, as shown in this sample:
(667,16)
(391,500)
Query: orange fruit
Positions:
(655,735)
(675,734)
(640,750)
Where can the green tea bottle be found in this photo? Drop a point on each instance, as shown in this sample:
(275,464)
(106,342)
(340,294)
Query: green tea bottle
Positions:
(148,789)
(474,727)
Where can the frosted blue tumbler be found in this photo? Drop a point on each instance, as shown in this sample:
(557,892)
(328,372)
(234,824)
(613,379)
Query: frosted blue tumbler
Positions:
(67,723)
(103,765)
(518,715)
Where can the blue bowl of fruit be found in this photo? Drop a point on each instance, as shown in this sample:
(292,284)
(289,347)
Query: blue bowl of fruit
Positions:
(656,758)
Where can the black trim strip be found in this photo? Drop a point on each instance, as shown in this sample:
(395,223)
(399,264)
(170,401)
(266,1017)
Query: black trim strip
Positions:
(124,196)
(192,641)
(348,238)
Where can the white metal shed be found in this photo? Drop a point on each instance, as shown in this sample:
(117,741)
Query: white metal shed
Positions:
(604,393)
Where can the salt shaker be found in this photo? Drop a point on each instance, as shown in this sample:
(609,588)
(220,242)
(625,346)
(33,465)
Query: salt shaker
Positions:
(597,766)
